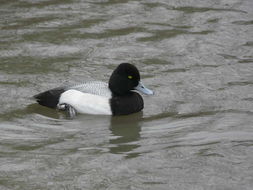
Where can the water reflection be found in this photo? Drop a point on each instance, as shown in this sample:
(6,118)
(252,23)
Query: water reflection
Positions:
(41,110)
(125,134)
(32,109)
(125,130)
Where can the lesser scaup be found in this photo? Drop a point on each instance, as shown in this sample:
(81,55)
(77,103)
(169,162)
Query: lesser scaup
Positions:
(117,98)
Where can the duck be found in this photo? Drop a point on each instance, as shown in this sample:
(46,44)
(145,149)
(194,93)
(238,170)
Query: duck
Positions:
(120,96)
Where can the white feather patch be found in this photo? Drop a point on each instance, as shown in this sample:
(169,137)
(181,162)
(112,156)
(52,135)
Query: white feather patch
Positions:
(86,103)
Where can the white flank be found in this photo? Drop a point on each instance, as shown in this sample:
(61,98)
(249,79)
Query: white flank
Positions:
(86,103)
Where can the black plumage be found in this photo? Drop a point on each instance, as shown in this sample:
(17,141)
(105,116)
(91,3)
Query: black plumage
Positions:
(50,98)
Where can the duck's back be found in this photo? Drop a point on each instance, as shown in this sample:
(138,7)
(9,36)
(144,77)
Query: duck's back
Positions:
(94,87)
(51,97)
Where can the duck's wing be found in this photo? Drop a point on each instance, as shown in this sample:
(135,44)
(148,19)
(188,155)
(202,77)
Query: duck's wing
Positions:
(50,98)
(94,87)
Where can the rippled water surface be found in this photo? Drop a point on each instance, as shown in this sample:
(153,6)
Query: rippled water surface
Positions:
(196,132)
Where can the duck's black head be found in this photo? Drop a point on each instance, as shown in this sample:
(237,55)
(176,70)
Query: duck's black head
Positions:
(125,78)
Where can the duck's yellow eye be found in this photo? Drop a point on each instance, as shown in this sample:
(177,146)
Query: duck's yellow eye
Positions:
(129,76)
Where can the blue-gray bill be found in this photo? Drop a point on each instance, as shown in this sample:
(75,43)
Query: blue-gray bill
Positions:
(141,88)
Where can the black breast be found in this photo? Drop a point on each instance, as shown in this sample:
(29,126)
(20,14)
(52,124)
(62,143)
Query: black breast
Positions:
(127,104)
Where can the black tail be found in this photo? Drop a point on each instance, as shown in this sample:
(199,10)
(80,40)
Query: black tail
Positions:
(49,98)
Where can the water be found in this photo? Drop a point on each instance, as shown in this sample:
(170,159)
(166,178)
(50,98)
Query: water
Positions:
(194,133)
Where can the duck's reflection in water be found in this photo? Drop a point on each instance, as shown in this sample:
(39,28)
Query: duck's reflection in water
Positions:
(125,134)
